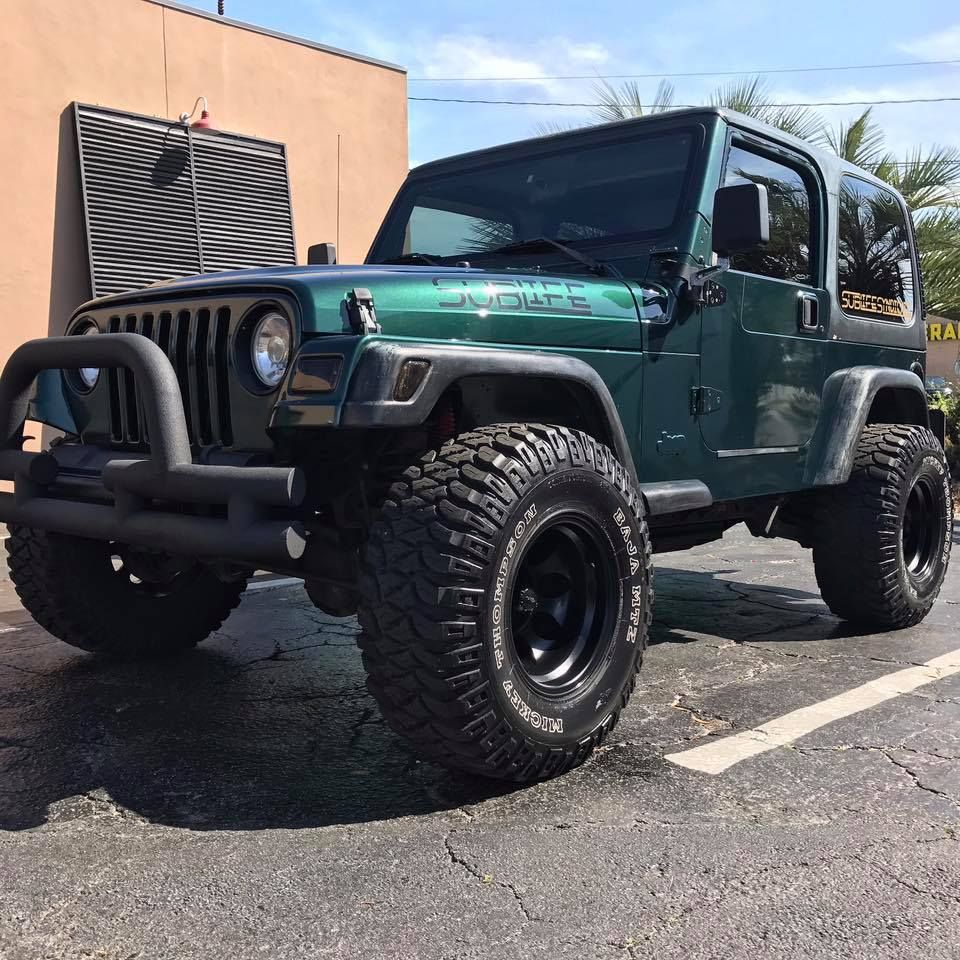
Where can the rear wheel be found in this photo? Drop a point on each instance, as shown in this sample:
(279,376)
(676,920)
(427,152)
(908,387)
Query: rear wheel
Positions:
(506,599)
(883,539)
(115,600)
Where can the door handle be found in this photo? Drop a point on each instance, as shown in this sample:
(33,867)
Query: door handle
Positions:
(808,312)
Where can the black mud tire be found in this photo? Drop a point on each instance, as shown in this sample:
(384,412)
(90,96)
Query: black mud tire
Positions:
(445,637)
(70,586)
(883,540)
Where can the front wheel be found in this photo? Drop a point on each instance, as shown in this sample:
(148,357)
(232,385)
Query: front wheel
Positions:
(506,599)
(883,539)
(115,600)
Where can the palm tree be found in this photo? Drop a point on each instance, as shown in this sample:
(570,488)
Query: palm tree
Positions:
(928,179)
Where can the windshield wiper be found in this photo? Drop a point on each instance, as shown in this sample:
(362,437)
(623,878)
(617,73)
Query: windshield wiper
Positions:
(598,267)
(432,260)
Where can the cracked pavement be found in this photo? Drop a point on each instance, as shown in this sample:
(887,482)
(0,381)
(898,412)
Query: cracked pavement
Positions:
(248,800)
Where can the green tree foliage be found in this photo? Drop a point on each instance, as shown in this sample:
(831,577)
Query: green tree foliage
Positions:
(950,405)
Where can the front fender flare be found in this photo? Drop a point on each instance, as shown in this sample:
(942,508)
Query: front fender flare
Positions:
(370,403)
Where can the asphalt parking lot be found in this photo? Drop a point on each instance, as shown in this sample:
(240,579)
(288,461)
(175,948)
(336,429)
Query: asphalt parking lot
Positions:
(248,801)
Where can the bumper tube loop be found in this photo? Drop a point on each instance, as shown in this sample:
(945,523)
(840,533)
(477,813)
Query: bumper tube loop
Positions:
(169,474)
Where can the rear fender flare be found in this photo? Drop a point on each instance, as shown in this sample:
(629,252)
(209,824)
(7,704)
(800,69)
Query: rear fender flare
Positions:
(848,397)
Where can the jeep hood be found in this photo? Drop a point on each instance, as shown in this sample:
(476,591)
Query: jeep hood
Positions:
(443,303)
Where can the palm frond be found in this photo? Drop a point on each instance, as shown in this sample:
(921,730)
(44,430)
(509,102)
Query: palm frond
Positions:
(938,241)
(617,103)
(627,100)
(752,96)
(860,141)
(548,127)
(928,177)
(802,122)
(663,98)
(745,95)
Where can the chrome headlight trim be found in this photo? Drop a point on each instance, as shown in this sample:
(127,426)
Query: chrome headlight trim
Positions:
(271,344)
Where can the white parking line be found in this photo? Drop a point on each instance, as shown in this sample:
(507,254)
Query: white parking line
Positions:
(273,584)
(719,755)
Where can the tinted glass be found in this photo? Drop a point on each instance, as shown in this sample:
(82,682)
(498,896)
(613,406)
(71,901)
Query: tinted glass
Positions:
(446,232)
(584,195)
(874,269)
(787,255)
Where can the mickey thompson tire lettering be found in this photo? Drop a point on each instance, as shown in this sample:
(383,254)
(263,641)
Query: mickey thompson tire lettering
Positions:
(440,591)
(871,567)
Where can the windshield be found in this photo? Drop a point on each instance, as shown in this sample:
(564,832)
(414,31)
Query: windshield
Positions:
(588,196)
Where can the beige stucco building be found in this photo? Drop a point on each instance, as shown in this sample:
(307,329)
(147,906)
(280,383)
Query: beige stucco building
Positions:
(342,117)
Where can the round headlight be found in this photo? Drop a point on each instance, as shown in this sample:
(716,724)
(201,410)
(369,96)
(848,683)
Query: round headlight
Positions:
(88,376)
(270,348)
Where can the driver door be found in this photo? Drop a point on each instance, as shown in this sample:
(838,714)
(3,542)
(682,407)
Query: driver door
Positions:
(762,352)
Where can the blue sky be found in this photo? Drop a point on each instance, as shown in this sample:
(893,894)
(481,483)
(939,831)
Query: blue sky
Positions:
(599,37)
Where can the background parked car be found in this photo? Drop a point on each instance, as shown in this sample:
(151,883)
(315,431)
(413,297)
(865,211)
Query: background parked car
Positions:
(939,387)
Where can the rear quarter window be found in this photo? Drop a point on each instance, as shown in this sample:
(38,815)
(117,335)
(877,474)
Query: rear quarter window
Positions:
(875,278)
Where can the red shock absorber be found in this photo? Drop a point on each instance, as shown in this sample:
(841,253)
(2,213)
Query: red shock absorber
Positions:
(443,425)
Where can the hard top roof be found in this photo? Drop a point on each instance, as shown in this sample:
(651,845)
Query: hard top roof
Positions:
(829,163)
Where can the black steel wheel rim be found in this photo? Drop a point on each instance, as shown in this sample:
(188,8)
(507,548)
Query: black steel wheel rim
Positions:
(919,537)
(563,604)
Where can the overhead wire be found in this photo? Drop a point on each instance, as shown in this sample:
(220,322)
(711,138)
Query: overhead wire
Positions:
(676,106)
(693,73)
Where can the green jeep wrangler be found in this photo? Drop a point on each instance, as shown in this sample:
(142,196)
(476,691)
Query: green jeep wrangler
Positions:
(560,356)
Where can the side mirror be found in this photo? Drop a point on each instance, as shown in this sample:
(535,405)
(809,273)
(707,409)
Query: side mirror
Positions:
(322,253)
(741,218)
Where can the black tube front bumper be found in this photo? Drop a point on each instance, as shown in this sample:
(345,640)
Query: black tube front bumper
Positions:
(249,533)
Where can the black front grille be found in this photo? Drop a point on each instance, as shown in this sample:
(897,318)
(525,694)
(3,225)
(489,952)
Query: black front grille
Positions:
(196,339)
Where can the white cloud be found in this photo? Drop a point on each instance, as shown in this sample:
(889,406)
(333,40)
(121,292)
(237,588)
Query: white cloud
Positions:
(587,52)
(471,53)
(474,57)
(477,56)
(940,45)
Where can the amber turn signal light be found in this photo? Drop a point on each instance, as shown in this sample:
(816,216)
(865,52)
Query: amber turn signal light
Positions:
(316,374)
(411,376)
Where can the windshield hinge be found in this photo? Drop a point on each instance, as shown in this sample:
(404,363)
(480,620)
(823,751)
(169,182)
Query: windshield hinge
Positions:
(705,400)
(703,290)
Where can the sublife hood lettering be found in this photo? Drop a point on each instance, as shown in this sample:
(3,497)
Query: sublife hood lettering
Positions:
(529,295)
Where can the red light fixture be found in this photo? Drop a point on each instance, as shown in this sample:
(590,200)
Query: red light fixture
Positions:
(203,122)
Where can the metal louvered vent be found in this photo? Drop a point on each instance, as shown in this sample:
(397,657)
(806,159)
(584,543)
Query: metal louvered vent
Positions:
(164,201)
(243,202)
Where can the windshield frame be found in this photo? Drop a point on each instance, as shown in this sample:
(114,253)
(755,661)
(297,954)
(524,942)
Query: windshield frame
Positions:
(557,145)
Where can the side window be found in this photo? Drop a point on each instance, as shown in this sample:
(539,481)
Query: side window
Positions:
(787,255)
(874,268)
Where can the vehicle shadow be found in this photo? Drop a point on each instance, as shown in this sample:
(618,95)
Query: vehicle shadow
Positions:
(693,604)
(270,725)
(219,739)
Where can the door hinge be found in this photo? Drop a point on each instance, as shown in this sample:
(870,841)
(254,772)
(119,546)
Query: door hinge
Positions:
(704,400)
